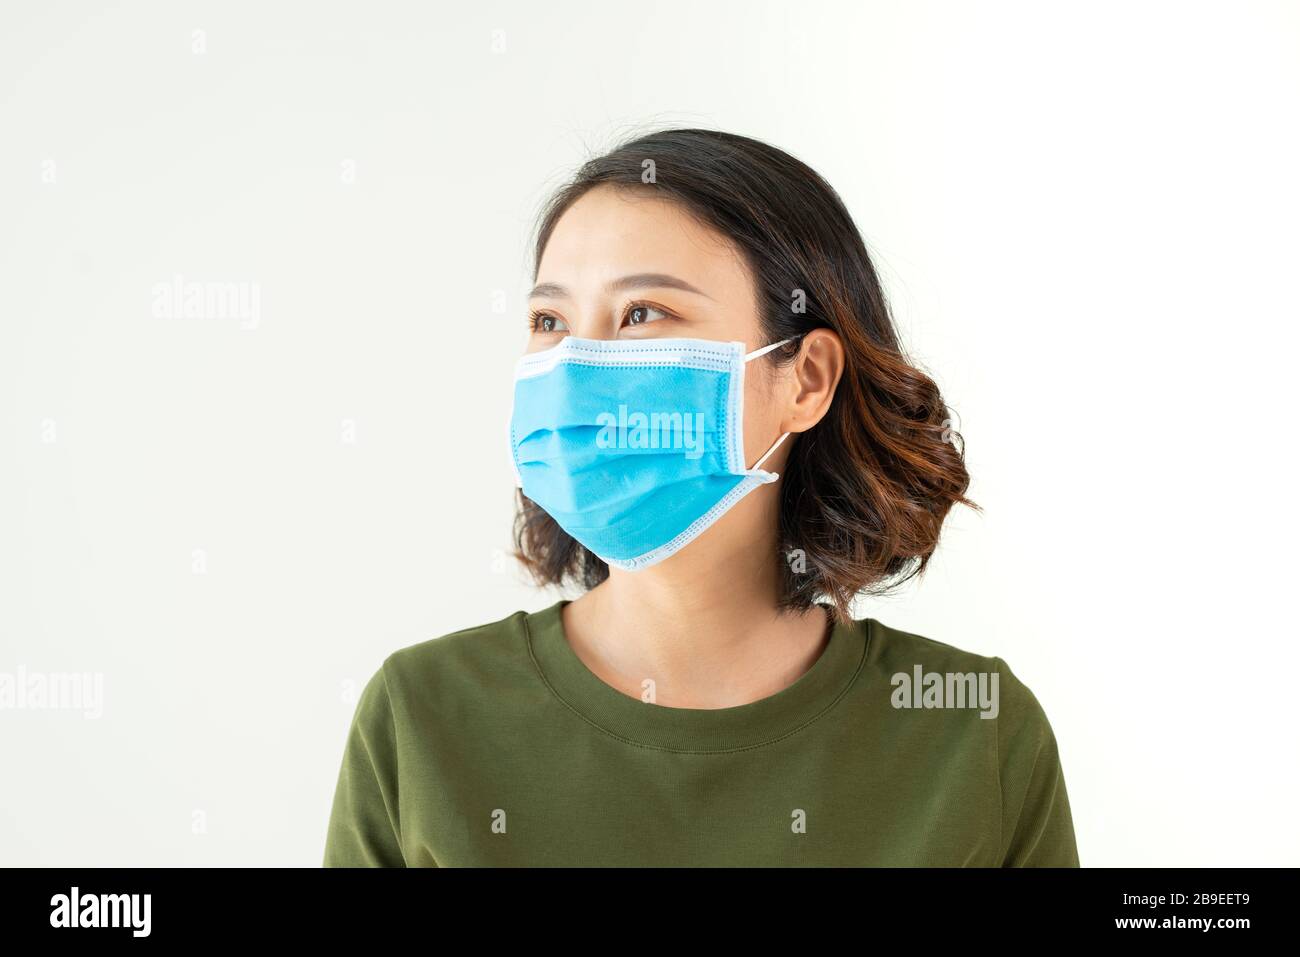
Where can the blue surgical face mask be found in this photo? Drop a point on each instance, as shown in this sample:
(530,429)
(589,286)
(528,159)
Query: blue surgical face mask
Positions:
(634,447)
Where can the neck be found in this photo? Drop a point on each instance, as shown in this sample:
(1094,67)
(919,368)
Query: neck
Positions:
(704,624)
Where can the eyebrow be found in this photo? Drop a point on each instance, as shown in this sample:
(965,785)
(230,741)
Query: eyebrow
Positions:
(554,290)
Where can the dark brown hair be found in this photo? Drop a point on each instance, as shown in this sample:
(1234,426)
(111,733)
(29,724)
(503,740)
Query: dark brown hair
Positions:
(866,489)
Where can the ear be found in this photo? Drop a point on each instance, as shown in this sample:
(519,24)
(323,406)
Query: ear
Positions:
(814,374)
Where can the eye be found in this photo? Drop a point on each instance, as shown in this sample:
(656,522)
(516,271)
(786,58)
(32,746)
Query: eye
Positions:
(546,322)
(639,313)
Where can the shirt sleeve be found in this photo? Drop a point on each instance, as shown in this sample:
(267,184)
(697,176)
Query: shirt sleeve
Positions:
(1037,826)
(364,827)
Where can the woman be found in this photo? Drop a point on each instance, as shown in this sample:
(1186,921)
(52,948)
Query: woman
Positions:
(718,437)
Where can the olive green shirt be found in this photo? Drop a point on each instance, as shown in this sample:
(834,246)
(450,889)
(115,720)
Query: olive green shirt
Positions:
(497,746)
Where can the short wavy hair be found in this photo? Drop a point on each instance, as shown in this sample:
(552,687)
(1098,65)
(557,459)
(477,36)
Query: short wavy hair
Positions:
(866,490)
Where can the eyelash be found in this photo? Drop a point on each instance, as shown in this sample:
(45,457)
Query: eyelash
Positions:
(537,315)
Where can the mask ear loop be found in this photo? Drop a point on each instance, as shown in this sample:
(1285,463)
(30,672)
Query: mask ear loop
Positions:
(767,455)
(777,444)
(766,349)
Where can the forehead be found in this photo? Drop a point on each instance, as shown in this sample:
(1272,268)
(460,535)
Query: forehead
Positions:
(613,231)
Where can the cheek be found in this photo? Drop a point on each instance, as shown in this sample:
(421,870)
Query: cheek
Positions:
(761,417)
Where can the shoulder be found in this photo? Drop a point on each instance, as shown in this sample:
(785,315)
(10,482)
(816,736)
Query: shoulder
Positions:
(480,644)
(1017,748)
(894,647)
(452,666)
(899,656)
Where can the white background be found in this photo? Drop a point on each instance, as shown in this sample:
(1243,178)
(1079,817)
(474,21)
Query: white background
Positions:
(1086,217)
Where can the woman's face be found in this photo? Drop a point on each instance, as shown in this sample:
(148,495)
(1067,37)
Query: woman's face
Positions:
(630,265)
